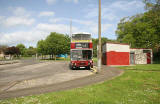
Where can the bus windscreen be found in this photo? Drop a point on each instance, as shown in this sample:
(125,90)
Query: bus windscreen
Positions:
(81,55)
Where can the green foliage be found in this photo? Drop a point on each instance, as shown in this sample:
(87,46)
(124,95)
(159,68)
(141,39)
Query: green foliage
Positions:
(41,47)
(95,43)
(57,43)
(26,51)
(54,44)
(138,85)
(31,51)
(142,30)
(22,48)
(152,4)
(12,50)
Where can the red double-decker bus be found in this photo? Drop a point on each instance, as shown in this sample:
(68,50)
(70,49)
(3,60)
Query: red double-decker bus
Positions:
(81,51)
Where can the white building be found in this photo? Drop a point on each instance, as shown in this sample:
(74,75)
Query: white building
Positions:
(122,54)
(141,56)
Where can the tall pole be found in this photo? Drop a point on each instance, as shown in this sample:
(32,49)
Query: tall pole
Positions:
(99,38)
(71,28)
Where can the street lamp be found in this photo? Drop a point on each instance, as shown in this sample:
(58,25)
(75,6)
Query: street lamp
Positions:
(99,37)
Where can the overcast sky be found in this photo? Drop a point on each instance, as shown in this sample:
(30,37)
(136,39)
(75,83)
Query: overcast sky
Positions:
(27,21)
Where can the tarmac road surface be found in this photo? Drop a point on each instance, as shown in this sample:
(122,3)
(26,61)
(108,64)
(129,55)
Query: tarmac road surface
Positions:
(32,77)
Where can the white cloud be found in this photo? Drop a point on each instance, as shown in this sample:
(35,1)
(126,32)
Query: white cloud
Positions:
(83,22)
(127,5)
(14,21)
(19,11)
(60,28)
(50,2)
(19,17)
(41,31)
(111,11)
(44,29)
(92,26)
(1,19)
(92,12)
(83,25)
(55,20)
(24,37)
(75,1)
(46,13)
(109,16)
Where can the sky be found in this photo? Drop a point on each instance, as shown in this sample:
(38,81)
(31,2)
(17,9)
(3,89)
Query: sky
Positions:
(28,21)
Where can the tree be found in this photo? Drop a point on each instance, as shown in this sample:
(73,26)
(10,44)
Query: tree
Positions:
(12,51)
(22,48)
(57,44)
(31,51)
(95,43)
(142,30)
(138,31)
(54,44)
(42,48)
(152,4)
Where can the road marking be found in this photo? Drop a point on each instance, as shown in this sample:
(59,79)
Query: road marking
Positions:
(10,85)
(94,69)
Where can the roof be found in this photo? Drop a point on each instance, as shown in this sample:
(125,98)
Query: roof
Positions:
(81,33)
(142,48)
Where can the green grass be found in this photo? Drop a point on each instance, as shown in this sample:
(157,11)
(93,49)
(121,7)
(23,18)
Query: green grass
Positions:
(138,85)
(148,67)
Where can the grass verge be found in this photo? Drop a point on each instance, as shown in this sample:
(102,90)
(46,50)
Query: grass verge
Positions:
(138,85)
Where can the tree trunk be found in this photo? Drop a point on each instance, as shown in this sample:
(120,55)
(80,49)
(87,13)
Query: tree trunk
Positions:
(36,56)
(55,57)
(42,56)
(52,56)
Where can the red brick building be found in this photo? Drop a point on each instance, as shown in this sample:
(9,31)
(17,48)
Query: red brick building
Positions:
(115,54)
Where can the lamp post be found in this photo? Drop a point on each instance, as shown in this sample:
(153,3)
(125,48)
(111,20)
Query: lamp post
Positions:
(99,37)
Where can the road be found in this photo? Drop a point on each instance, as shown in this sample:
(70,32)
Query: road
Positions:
(35,77)
(23,62)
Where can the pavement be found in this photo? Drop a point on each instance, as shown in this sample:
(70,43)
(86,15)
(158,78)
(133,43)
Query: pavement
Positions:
(8,62)
(31,77)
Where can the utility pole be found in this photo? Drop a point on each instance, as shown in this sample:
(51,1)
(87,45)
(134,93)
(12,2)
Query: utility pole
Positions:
(99,38)
(71,28)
